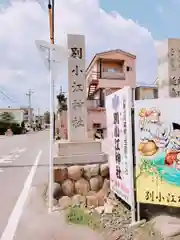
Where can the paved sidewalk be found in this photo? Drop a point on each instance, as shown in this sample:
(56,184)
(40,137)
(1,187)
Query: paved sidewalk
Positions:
(38,224)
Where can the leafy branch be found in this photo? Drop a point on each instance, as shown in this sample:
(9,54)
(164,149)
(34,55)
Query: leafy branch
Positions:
(148,167)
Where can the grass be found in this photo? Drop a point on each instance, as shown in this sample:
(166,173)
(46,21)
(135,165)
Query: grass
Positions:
(77,215)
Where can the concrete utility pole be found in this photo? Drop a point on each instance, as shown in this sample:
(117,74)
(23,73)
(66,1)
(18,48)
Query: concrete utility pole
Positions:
(29,94)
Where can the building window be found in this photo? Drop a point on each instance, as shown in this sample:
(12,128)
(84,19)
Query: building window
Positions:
(111,70)
(128,69)
(96,125)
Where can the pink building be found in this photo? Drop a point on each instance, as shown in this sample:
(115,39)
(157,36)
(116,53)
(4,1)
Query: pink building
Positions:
(107,72)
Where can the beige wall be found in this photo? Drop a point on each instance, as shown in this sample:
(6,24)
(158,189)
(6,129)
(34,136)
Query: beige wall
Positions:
(94,116)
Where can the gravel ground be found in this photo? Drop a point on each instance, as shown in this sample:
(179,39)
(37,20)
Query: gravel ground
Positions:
(116,225)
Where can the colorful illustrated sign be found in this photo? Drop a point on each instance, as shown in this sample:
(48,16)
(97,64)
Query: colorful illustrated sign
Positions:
(119,140)
(157,135)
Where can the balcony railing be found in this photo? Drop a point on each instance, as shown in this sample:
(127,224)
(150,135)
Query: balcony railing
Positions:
(94,103)
(107,75)
(113,75)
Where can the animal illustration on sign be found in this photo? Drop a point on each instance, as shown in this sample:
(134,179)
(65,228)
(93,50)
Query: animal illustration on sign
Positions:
(160,144)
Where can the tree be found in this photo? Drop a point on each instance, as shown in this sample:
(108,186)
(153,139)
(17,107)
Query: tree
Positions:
(47,117)
(7,117)
(62,102)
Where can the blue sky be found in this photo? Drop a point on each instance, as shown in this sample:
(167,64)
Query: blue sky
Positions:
(160,17)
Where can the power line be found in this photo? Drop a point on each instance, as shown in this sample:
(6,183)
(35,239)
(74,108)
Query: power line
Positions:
(7,97)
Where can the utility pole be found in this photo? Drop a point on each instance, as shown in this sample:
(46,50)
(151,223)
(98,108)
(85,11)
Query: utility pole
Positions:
(29,94)
(51,28)
(52,119)
(39,115)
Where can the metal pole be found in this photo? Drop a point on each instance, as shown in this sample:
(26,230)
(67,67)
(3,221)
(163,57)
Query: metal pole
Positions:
(51,174)
(29,108)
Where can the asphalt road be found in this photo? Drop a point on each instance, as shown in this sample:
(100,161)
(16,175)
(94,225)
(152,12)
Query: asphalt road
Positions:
(21,158)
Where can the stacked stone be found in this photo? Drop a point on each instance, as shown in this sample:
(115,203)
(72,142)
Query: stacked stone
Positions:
(86,185)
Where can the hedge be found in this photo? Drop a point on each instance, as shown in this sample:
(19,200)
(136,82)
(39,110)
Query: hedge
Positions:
(16,129)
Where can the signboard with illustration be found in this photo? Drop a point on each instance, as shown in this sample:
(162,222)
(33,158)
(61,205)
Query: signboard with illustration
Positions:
(157,135)
(119,142)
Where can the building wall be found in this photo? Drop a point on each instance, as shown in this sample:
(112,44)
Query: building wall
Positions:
(96,116)
(129,62)
(26,114)
(142,93)
(109,61)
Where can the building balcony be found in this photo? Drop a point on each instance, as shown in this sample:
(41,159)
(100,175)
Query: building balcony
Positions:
(104,80)
(106,75)
(95,105)
(113,75)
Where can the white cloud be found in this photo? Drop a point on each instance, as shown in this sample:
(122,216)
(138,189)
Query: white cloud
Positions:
(23,22)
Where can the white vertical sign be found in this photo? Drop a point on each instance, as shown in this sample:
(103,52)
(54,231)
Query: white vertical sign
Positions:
(119,130)
(77,110)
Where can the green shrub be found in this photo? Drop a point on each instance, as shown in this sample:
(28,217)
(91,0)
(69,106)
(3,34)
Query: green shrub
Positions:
(16,129)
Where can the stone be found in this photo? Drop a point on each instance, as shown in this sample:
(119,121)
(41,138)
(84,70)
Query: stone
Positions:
(90,193)
(68,187)
(112,202)
(100,209)
(64,202)
(56,191)
(116,235)
(103,193)
(106,185)
(92,201)
(108,209)
(96,183)
(168,226)
(78,200)
(104,170)
(55,202)
(82,187)
(75,172)
(60,174)
(91,171)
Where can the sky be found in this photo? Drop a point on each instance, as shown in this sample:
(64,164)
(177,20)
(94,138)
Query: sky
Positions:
(133,26)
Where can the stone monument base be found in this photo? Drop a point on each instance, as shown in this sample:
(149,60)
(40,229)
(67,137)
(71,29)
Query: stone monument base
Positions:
(86,152)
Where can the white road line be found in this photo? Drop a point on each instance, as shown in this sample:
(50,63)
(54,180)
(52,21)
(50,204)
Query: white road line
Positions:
(15,216)
(12,155)
(22,150)
(7,161)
